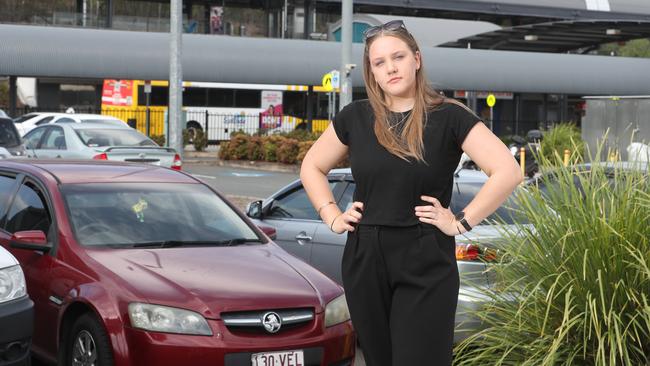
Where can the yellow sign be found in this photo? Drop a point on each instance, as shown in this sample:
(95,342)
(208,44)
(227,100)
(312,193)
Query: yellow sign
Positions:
(327,81)
(491,100)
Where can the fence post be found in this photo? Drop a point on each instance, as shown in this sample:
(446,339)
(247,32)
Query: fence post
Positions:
(207,124)
(522,161)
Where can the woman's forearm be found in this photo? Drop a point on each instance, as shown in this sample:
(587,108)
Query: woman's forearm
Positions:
(319,193)
(493,193)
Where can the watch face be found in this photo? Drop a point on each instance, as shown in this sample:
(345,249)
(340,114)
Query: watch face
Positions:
(460,215)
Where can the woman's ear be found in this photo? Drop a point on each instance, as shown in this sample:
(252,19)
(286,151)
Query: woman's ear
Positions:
(417,60)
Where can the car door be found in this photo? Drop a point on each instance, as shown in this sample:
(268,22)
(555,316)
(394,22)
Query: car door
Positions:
(327,246)
(28,210)
(53,144)
(295,221)
(33,140)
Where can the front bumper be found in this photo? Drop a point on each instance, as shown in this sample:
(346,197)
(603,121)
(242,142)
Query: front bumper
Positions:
(16,327)
(333,346)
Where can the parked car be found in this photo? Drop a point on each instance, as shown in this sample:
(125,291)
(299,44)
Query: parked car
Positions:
(300,231)
(100,141)
(3,114)
(16,309)
(29,121)
(11,145)
(130,264)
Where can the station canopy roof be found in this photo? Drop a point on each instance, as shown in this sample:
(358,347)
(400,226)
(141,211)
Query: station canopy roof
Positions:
(556,37)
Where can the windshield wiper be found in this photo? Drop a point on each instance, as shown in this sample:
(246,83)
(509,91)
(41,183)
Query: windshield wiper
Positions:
(193,243)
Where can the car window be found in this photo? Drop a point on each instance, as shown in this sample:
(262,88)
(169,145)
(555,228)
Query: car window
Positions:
(8,134)
(113,137)
(28,211)
(24,117)
(44,121)
(346,199)
(464,193)
(294,205)
(54,140)
(6,186)
(33,137)
(65,120)
(132,213)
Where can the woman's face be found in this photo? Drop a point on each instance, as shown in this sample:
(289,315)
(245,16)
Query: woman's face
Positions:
(393,65)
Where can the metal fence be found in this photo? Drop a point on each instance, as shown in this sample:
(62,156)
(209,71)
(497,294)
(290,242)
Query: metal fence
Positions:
(217,126)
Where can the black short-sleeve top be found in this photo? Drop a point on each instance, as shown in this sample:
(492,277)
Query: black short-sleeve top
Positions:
(389,186)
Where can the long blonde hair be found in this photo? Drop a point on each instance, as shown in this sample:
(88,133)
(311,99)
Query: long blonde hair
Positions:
(407,143)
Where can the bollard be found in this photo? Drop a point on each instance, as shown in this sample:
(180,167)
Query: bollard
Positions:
(566,157)
(522,161)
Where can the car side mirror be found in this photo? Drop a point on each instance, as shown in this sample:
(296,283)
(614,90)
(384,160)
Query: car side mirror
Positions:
(30,240)
(254,210)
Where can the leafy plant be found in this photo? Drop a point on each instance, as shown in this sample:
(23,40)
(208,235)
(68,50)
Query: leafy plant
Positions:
(563,136)
(573,288)
(200,140)
(158,139)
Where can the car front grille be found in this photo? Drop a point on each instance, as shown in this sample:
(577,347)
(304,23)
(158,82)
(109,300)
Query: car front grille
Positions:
(251,321)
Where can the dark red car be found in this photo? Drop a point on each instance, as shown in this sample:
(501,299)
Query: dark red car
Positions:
(142,265)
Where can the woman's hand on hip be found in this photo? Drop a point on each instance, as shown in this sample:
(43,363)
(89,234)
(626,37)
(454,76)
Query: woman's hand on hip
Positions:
(436,215)
(348,220)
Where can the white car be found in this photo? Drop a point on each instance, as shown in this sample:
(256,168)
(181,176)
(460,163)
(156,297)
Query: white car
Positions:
(28,122)
(16,312)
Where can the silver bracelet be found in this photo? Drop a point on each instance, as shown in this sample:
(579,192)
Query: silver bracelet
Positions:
(332,224)
(323,205)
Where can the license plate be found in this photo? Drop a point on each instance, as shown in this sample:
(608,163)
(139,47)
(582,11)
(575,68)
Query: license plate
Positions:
(285,358)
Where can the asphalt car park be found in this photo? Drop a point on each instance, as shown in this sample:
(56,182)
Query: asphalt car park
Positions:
(139,265)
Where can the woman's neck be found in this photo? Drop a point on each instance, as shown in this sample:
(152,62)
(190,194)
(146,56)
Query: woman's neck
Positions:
(401,104)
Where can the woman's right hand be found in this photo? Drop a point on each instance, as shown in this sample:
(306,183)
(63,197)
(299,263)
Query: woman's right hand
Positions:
(348,220)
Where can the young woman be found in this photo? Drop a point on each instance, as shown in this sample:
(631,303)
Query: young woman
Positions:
(404,142)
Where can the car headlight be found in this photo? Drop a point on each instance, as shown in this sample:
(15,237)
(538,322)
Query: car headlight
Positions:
(12,283)
(337,311)
(158,318)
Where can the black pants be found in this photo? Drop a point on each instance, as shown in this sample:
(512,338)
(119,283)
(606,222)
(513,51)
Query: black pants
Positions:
(401,285)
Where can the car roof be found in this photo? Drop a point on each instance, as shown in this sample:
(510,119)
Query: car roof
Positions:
(89,171)
(92,116)
(95,125)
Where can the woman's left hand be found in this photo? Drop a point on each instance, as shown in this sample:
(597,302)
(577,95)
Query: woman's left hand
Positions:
(436,215)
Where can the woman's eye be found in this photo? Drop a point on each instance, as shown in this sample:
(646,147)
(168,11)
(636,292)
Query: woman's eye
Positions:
(379,64)
(399,57)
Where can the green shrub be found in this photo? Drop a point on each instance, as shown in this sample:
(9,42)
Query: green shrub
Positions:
(563,136)
(288,151)
(158,139)
(186,137)
(254,149)
(573,288)
(224,151)
(200,140)
(301,135)
(239,147)
(239,132)
(270,146)
(303,147)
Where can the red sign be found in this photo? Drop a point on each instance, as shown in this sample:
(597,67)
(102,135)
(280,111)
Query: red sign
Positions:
(117,93)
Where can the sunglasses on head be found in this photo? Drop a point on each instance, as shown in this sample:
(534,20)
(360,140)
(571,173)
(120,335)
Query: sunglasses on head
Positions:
(393,25)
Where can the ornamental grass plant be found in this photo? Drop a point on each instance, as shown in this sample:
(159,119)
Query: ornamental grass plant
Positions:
(572,288)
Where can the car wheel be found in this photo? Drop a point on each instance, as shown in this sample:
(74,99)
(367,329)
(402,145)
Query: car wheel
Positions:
(88,343)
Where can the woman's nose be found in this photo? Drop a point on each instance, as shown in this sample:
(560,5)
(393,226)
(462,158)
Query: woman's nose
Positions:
(391,67)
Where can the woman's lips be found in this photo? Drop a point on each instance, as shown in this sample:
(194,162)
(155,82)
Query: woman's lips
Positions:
(394,80)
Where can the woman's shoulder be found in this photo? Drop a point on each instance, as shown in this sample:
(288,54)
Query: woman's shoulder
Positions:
(354,110)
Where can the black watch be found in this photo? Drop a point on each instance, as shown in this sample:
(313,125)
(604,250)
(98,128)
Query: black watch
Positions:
(460,217)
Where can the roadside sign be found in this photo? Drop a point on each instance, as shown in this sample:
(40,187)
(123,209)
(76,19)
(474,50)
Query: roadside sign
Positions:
(491,100)
(147,86)
(336,79)
(327,82)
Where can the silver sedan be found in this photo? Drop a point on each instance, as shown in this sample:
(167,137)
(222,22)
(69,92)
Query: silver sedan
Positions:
(97,140)
(299,230)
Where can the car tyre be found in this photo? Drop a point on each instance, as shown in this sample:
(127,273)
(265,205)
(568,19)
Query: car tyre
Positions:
(88,343)
(192,127)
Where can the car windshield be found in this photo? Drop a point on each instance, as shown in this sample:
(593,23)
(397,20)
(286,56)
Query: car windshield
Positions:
(113,137)
(109,121)
(8,135)
(507,213)
(152,214)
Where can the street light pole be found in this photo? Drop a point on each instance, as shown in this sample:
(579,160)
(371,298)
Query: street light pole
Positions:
(346,53)
(174,129)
